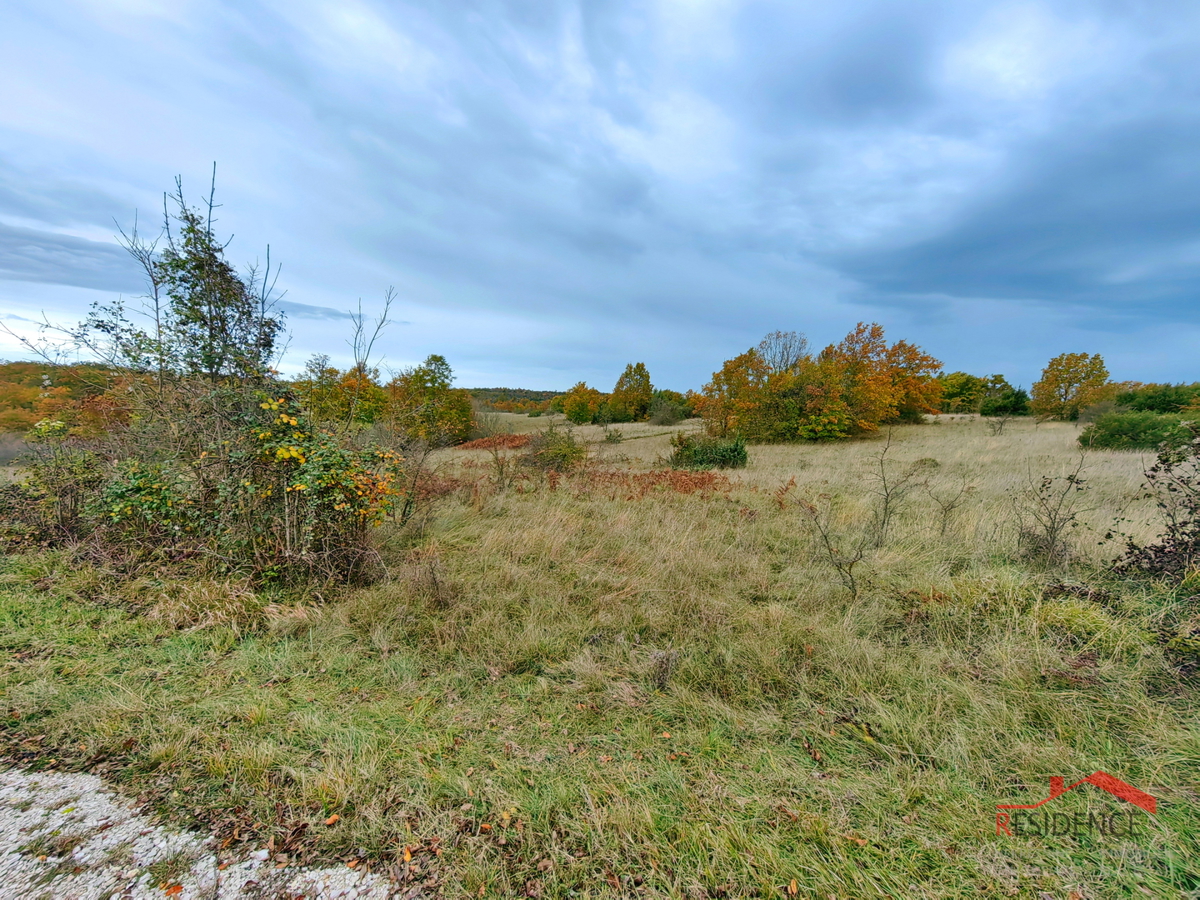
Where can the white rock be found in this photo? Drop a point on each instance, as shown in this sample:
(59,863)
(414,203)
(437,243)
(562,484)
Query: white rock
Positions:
(78,806)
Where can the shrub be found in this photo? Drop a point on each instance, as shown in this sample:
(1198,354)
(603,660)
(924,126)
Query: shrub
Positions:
(1012,402)
(1174,484)
(62,473)
(700,452)
(1160,398)
(193,442)
(555,450)
(830,427)
(665,412)
(1134,431)
(144,499)
(669,407)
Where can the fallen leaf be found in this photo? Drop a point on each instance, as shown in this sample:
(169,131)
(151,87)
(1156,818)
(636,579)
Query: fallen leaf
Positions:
(173,890)
(352,863)
(666,734)
(793,888)
(333,820)
(812,751)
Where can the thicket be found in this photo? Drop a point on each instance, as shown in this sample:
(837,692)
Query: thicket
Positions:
(633,399)
(670,407)
(419,404)
(778,391)
(1135,431)
(1173,483)
(966,393)
(1160,398)
(192,448)
(1009,402)
(692,451)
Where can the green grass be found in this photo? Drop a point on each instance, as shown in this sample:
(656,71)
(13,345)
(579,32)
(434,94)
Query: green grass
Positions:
(571,693)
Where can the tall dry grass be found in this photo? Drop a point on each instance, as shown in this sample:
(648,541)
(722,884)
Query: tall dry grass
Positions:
(621,683)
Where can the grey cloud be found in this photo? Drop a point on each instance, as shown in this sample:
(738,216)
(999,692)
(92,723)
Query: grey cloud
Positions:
(843,65)
(304,311)
(55,201)
(515,162)
(1104,218)
(30,255)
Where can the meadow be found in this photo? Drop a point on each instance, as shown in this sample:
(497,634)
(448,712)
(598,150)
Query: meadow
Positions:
(816,676)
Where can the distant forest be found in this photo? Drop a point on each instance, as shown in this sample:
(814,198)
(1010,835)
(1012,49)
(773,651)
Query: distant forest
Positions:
(513,399)
(31,391)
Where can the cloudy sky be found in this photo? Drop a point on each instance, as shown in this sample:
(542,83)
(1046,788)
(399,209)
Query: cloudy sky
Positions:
(558,188)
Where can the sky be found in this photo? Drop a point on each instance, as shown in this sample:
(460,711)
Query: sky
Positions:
(555,189)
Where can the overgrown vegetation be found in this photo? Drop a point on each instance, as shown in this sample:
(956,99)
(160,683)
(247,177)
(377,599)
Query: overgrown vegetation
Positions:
(584,672)
(190,448)
(1135,431)
(1173,483)
(691,451)
(779,391)
(1160,398)
(629,682)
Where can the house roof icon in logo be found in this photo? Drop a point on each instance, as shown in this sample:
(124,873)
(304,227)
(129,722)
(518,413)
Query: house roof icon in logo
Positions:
(1102,780)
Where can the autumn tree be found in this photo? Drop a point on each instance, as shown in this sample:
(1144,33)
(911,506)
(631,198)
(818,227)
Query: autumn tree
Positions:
(783,351)
(581,403)
(730,402)
(630,398)
(333,398)
(912,372)
(962,392)
(1070,382)
(779,392)
(423,405)
(857,378)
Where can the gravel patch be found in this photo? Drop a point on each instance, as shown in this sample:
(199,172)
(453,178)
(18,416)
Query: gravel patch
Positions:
(66,837)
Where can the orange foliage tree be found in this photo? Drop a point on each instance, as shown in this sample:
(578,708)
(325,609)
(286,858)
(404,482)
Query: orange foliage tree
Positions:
(1070,382)
(730,402)
(581,403)
(848,388)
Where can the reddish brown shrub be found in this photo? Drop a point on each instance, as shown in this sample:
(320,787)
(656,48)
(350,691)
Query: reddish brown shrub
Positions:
(639,485)
(497,441)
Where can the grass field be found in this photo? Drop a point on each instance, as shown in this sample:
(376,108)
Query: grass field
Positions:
(624,683)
